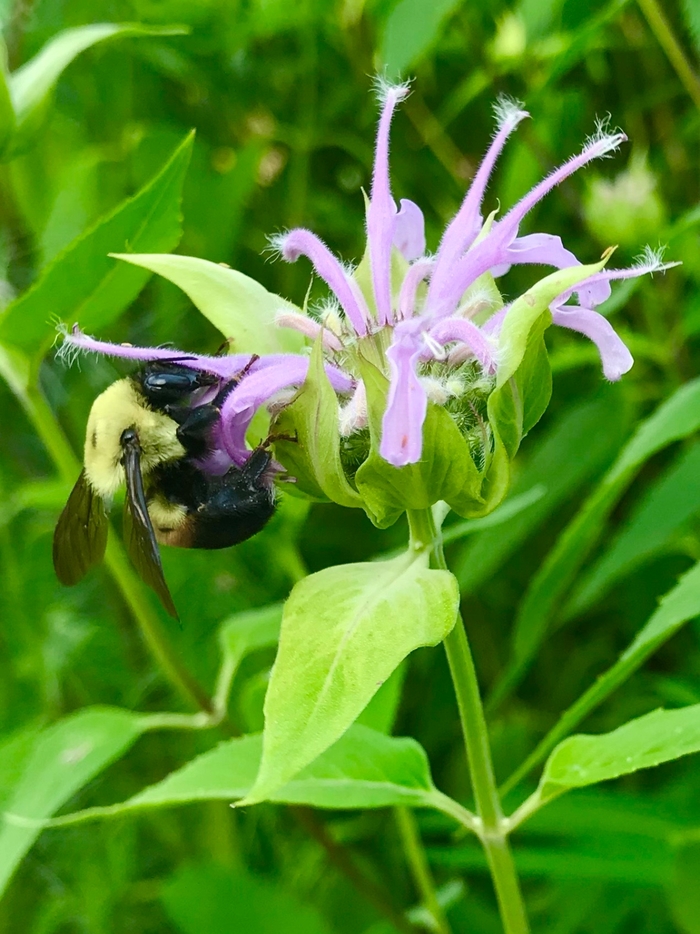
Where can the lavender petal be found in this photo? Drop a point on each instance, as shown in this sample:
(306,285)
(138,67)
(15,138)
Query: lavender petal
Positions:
(465,225)
(300,242)
(466,332)
(260,387)
(614,355)
(381,210)
(407,404)
(409,230)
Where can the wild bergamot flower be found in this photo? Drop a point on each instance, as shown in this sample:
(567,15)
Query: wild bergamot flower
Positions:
(432,323)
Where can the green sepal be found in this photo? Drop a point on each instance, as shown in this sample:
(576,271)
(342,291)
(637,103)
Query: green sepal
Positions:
(446,470)
(314,458)
(524,379)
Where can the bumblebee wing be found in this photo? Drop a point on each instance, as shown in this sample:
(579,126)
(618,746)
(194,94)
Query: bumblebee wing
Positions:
(139,537)
(80,538)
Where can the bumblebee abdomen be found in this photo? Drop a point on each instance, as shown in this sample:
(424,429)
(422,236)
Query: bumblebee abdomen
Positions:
(226,520)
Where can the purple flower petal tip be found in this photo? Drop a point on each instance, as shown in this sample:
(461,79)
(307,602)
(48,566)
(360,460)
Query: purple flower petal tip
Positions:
(409,231)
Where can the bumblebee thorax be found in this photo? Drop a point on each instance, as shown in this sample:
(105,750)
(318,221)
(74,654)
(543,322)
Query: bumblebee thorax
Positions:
(119,407)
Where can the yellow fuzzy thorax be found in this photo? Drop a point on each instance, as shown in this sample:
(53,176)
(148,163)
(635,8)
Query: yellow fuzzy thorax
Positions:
(119,407)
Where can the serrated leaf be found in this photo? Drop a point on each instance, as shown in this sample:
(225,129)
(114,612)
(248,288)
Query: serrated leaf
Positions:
(83,284)
(238,306)
(363,769)
(659,736)
(31,85)
(64,758)
(344,631)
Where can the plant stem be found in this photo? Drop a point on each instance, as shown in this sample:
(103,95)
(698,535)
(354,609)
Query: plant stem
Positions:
(494,828)
(342,860)
(418,864)
(659,25)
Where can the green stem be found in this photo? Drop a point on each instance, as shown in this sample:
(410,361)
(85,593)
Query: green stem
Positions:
(494,828)
(659,25)
(418,864)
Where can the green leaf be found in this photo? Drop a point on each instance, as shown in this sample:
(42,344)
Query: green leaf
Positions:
(208,898)
(249,631)
(380,713)
(691,11)
(314,458)
(64,758)
(659,736)
(410,31)
(238,306)
(344,631)
(32,84)
(527,310)
(83,284)
(563,466)
(676,608)
(14,752)
(363,769)
(7,111)
(676,418)
(446,470)
(665,508)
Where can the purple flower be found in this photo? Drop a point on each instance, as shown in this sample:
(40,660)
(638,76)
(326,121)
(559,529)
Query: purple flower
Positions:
(437,322)
(433,322)
(261,382)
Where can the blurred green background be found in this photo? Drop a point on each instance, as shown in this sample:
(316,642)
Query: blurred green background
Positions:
(279,94)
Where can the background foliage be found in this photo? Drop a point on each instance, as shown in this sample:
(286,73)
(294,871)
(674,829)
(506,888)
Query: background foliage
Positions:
(279,96)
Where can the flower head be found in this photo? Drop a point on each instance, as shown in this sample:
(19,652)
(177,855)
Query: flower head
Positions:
(416,359)
(434,311)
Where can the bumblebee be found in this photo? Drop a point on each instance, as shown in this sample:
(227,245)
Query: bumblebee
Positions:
(151,431)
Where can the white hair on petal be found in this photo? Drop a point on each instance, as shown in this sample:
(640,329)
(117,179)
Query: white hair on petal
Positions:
(275,245)
(604,139)
(384,89)
(69,351)
(652,260)
(508,110)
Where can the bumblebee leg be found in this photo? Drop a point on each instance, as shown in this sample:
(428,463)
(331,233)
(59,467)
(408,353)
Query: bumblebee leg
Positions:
(272,438)
(254,468)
